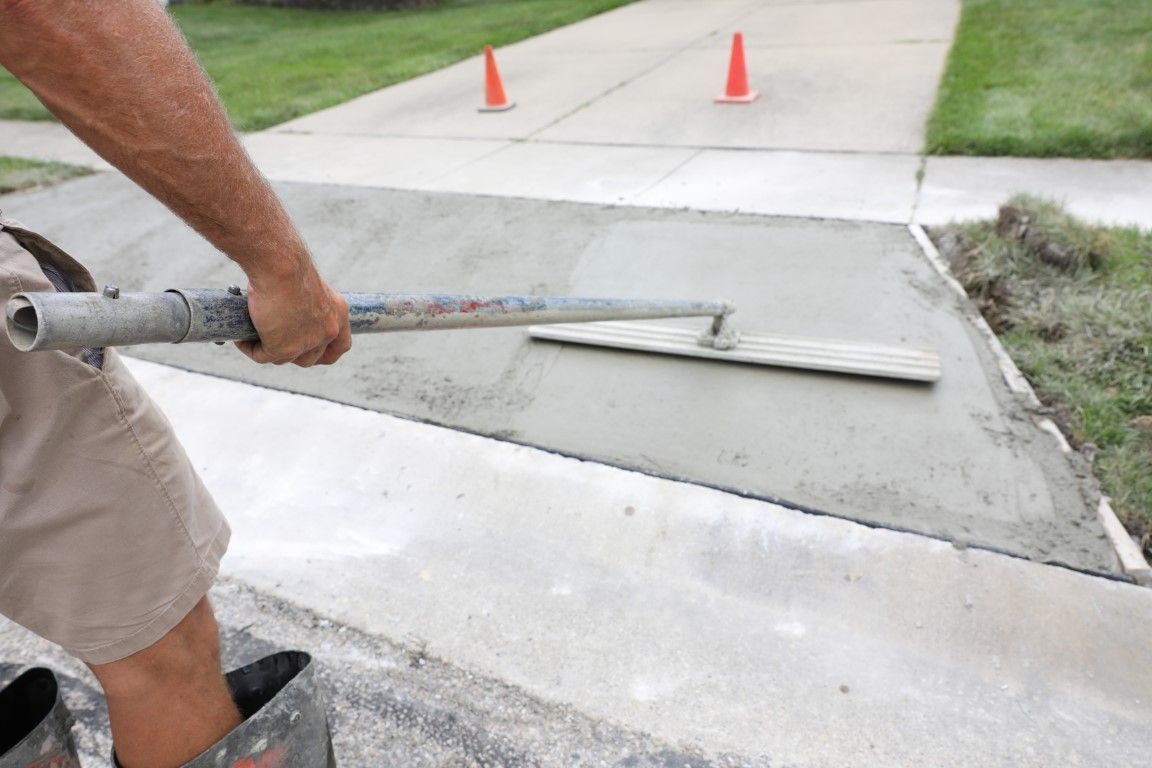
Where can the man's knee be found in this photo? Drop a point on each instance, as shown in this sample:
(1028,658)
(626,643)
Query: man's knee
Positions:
(189,652)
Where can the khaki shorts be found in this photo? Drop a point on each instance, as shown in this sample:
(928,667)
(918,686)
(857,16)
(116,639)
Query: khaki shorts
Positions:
(107,536)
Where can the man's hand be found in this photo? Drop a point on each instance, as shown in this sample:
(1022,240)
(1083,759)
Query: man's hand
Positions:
(300,320)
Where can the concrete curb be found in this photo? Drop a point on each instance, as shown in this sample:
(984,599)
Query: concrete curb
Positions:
(1012,376)
(1131,559)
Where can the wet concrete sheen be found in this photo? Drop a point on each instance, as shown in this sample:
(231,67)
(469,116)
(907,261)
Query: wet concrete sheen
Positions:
(960,459)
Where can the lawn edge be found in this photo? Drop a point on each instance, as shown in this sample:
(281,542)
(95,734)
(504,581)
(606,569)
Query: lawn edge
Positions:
(1016,381)
(1131,559)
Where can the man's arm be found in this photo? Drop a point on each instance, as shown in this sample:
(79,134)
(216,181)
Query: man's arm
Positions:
(121,77)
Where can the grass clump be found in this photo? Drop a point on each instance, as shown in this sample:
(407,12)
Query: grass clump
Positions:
(17,174)
(1047,78)
(1073,306)
(271,65)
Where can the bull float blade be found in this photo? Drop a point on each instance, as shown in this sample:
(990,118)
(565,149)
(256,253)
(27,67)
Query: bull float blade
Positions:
(860,359)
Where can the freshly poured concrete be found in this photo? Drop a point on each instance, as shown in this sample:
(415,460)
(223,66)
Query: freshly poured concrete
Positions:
(959,459)
(734,631)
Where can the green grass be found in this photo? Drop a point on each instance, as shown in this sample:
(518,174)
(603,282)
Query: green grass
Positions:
(17,174)
(1048,78)
(274,64)
(1081,334)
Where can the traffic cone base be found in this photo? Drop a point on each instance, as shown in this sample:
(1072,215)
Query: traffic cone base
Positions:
(747,98)
(504,108)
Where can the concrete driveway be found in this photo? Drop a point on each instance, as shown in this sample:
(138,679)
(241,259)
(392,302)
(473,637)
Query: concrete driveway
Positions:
(961,459)
(517,553)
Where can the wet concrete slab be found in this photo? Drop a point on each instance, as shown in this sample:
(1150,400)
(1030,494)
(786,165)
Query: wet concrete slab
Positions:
(960,460)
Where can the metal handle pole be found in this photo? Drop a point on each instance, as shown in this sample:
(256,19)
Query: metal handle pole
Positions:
(37,321)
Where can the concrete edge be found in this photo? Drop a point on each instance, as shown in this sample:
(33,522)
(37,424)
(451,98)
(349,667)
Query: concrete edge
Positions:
(1131,558)
(1008,370)
(1127,552)
(1050,427)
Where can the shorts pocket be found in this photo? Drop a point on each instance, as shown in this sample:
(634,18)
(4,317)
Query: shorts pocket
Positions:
(64,273)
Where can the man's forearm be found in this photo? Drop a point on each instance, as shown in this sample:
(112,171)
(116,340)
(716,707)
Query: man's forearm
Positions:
(120,76)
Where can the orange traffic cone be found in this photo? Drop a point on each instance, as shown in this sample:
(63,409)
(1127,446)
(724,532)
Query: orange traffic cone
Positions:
(494,98)
(737,91)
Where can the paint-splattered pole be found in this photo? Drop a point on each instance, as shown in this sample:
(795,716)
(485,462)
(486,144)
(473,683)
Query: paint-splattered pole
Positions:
(39,321)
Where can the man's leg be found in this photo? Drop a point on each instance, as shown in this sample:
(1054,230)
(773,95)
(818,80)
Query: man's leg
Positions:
(109,540)
(168,702)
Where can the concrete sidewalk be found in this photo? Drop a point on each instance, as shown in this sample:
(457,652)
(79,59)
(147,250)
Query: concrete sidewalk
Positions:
(824,185)
(47,141)
(474,601)
(843,76)
(618,110)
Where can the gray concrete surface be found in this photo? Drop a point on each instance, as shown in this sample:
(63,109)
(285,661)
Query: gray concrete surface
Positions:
(593,616)
(849,82)
(617,109)
(47,141)
(960,460)
(586,614)
(862,98)
(856,75)
(859,186)
(1108,191)
(852,186)
(389,703)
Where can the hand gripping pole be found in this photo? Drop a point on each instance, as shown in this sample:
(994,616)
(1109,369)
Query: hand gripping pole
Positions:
(38,321)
